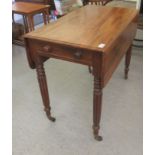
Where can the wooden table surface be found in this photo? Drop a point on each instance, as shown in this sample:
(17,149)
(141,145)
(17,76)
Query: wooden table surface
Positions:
(26,8)
(92,35)
(87,27)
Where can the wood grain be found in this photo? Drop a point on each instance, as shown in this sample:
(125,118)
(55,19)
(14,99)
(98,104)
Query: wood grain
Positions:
(27,8)
(86,28)
(76,37)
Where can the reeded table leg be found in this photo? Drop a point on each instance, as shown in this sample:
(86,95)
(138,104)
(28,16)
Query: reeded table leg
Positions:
(97,106)
(127,62)
(43,87)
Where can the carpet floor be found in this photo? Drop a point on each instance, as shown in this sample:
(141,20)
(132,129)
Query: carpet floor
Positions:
(71,89)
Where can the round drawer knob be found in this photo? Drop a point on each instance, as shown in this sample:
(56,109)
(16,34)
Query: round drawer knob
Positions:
(78,54)
(47,48)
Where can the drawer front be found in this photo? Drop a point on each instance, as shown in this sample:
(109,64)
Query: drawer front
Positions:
(65,53)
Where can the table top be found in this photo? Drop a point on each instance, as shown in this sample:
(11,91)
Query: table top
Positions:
(90,27)
(26,8)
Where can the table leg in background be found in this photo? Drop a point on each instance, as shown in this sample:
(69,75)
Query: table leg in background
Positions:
(127,61)
(47,15)
(25,24)
(30,23)
(44,17)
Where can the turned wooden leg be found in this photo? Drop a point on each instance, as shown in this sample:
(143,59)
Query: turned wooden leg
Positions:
(97,106)
(127,62)
(44,17)
(43,88)
(47,15)
(30,23)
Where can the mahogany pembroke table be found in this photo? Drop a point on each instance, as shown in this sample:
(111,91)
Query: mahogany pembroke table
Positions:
(93,35)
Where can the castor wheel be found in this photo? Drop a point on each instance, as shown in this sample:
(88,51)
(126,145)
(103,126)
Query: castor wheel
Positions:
(53,119)
(98,138)
(126,77)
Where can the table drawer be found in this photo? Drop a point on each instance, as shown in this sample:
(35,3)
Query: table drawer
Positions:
(66,53)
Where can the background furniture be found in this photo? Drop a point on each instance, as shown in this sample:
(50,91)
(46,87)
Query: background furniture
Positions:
(138,42)
(28,10)
(47,2)
(98,38)
(17,32)
(96,2)
(65,6)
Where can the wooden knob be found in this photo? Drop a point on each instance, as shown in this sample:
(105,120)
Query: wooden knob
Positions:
(78,54)
(47,48)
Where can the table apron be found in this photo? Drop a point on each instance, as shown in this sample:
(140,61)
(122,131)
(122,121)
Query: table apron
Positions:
(63,52)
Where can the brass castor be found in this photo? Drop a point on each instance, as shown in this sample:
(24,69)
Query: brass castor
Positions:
(126,77)
(98,138)
(53,119)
